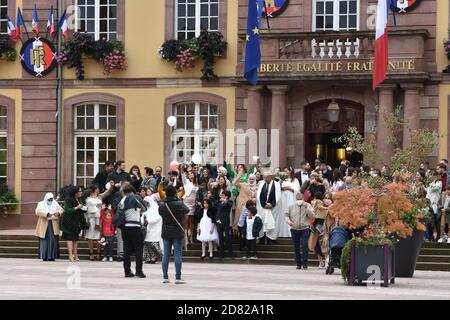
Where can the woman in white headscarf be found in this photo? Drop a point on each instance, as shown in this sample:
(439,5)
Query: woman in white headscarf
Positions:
(153,240)
(47,228)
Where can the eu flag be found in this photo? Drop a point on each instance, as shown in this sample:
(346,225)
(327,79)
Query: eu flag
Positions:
(252,48)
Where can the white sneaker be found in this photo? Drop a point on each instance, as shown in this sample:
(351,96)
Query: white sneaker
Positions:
(105,259)
(111,259)
(440,240)
(166,281)
(180,281)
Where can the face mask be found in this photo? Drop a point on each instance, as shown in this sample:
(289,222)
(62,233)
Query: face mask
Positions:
(299,202)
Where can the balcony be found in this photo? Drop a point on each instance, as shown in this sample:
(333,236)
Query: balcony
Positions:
(340,55)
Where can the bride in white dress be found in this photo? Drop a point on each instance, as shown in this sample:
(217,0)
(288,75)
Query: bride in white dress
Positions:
(290,187)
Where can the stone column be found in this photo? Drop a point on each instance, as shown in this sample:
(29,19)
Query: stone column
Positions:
(386,106)
(254,108)
(278,122)
(412,110)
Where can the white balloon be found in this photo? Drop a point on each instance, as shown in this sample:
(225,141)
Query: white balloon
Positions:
(196,158)
(172,121)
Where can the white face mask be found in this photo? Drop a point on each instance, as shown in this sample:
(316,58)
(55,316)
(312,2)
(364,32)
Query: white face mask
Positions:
(299,202)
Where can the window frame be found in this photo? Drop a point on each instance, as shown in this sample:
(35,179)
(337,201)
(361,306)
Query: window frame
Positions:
(97,19)
(10,106)
(171,18)
(11,12)
(95,133)
(198,18)
(69,119)
(188,133)
(336,16)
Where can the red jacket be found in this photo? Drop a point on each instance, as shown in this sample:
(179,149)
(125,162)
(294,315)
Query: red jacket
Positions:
(108,229)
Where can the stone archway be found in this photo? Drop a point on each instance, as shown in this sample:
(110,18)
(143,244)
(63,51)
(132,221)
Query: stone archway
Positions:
(321,131)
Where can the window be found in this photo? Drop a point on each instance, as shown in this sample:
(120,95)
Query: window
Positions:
(3,145)
(196,131)
(97,17)
(194,15)
(335,15)
(95,140)
(3,16)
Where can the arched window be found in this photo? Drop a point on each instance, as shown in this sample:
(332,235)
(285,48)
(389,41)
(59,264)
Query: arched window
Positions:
(200,127)
(95,140)
(94,130)
(196,131)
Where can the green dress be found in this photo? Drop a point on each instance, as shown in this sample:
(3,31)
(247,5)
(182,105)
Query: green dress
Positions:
(72,221)
(235,189)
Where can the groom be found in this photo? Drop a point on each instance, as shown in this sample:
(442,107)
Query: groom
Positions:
(269,196)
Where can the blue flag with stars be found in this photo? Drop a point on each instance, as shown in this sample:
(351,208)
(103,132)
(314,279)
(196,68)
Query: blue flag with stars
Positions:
(252,48)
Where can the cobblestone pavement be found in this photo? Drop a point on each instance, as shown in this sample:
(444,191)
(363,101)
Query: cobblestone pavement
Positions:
(34,279)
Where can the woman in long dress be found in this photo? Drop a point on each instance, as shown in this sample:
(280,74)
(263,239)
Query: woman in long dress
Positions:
(290,187)
(153,240)
(247,192)
(190,192)
(47,228)
(71,223)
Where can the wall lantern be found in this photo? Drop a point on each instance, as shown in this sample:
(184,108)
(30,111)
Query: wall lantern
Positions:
(333,111)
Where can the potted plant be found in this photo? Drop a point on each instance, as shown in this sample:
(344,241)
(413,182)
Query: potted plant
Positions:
(7,49)
(378,217)
(110,54)
(184,53)
(8,201)
(405,162)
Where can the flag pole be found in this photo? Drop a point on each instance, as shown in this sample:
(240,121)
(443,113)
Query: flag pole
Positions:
(267,15)
(393,12)
(24,24)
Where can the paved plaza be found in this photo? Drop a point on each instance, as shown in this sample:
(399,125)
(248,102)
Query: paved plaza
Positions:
(34,279)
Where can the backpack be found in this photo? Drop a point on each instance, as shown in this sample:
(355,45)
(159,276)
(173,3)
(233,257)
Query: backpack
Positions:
(119,219)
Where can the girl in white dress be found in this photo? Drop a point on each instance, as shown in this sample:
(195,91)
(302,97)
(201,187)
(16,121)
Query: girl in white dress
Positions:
(207,231)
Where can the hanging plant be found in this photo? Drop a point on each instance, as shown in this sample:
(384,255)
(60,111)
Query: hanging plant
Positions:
(210,45)
(447,52)
(81,45)
(184,53)
(7,50)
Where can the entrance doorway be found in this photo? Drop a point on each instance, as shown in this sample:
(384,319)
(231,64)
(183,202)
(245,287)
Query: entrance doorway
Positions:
(324,124)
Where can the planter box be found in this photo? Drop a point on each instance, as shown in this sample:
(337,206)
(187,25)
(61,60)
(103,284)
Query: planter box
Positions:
(406,254)
(372,264)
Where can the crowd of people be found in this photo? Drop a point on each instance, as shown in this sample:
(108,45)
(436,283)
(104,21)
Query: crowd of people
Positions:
(154,216)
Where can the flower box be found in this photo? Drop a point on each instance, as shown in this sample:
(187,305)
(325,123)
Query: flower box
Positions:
(372,264)
(406,254)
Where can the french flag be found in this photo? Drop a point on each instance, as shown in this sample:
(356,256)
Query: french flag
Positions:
(381,44)
(35,21)
(63,25)
(19,24)
(12,30)
(51,22)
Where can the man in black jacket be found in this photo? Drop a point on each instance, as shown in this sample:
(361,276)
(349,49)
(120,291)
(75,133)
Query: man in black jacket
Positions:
(119,175)
(172,210)
(223,223)
(101,177)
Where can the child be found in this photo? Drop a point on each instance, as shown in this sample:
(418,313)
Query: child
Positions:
(206,230)
(241,222)
(108,232)
(252,227)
